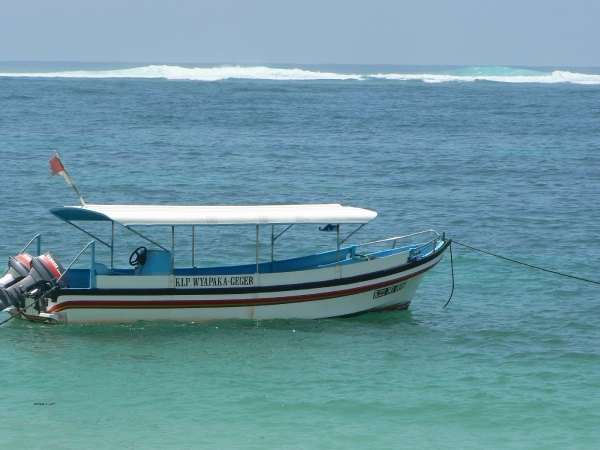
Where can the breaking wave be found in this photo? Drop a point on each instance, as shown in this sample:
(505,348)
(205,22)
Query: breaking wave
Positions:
(198,74)
(497,74)
(469,74)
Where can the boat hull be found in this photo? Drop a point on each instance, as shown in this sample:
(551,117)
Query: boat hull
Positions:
(342,297)
(300,305)
(338,292)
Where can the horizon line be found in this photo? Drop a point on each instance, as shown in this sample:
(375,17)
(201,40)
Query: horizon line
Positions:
(230,63)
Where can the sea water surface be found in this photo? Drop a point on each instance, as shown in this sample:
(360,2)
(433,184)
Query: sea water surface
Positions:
(503,159)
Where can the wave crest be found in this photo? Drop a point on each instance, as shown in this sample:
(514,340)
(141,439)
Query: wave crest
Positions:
(558,76)
(469,74)
(198,74)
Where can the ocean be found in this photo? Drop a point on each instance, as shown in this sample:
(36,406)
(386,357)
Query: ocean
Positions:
(503,159)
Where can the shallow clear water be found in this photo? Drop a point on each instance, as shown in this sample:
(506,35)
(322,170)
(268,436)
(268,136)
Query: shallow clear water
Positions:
(513,362)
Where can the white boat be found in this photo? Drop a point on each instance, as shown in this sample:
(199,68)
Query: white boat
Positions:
(346,281)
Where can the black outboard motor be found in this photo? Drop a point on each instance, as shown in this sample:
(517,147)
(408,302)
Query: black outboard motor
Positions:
(18,268)
(43,276)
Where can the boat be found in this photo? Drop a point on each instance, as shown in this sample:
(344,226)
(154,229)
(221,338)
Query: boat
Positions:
(344,281)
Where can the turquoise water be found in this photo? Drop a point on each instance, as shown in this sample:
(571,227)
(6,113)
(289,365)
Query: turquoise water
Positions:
(510,167)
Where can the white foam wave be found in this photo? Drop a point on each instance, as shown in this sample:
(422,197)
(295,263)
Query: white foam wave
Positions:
(557,76)
(199,74)
(278,74)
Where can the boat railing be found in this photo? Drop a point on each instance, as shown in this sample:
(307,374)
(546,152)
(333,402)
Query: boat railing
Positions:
(91,244)
(38,239)
(415,252)
(397,238)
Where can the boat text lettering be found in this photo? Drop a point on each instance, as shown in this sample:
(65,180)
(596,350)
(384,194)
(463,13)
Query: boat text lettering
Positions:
(388,290)
(196,282)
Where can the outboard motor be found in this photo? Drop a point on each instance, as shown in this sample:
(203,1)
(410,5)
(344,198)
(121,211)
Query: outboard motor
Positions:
(18,268)
(43,276)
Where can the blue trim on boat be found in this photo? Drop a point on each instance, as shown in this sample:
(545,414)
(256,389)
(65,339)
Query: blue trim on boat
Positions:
(256,289)
(79,278)
(69,214)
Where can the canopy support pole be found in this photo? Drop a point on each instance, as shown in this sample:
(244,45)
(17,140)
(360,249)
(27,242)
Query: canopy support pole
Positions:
(172,249)
(89,234)
(144,237)
(338,243)
(350,235)
(272,241)
(193,244)
(274,238)
(93,267)
(256,248)
(112,243)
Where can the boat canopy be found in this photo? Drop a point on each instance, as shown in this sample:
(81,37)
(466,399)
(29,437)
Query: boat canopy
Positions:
(175,215)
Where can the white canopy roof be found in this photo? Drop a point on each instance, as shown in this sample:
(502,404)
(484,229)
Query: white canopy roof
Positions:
(215,215)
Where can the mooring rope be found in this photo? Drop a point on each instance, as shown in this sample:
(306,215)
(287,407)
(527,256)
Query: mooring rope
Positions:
(19,311)
(451,268)
(522,263)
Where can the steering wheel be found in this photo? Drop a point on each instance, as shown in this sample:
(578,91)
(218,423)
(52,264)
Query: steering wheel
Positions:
(138,256)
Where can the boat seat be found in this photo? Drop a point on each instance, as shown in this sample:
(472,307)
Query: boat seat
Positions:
(103,269)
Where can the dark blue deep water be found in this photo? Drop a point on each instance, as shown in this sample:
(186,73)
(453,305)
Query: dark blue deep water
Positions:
(509,167)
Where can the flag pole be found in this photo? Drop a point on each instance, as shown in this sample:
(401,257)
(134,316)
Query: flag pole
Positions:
(68,179)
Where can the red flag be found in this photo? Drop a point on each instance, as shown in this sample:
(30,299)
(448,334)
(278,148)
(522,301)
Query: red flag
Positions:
(56,166)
